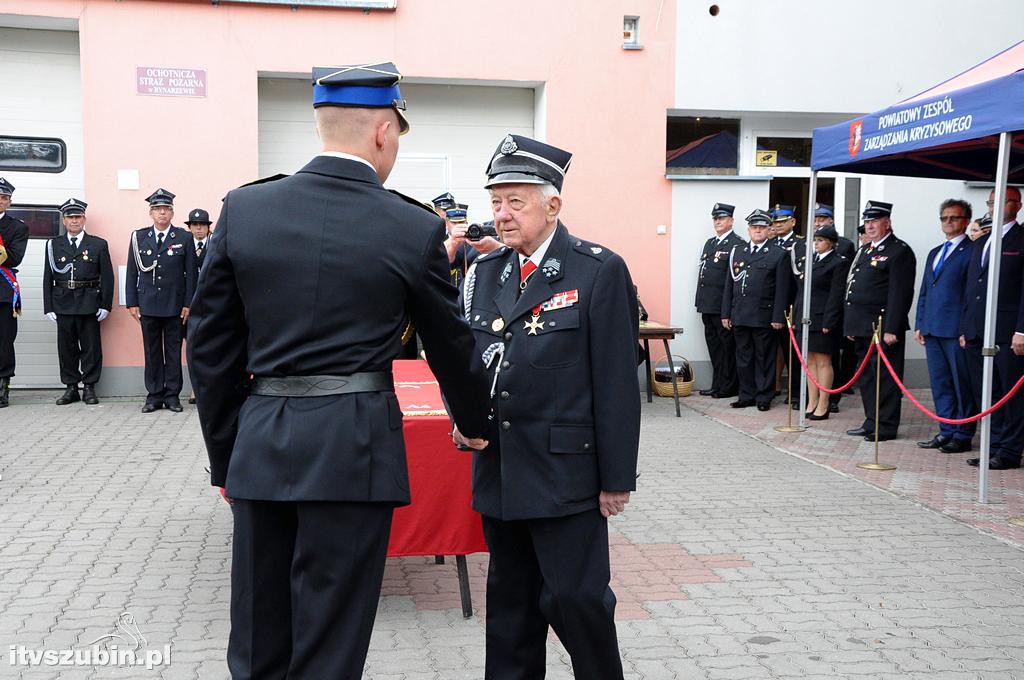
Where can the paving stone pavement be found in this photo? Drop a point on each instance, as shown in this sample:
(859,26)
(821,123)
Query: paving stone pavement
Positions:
(734,560)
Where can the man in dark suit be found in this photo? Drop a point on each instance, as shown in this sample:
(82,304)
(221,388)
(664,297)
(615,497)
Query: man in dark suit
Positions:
(754,308)
(1008,422)
(556,322)
(711,281)
(78,291)
(13,242)
(938,328)
(881,284)
(308,284)
(159,285)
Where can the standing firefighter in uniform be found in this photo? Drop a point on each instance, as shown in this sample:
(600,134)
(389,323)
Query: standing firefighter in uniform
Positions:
(711,282)
(556,323)
(13,242)
(881,284)
(159,286)
(78,291)
(307,286)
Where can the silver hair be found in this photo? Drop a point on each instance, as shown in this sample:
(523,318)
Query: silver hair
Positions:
(548,190)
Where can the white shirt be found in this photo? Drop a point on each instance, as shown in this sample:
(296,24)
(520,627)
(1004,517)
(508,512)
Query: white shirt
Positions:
(196,242)
(724,236)
(348,156)
(953,243)
(988,244)
(75,240)
(822,256)
(875,245)
(157,233)
(756,247)
(538,255)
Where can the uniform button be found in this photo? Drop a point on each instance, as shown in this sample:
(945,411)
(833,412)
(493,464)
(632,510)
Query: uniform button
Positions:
(978,297)
(552,323)
(504,394)
(505,425)
(505,364)
(508,336)
(586,447)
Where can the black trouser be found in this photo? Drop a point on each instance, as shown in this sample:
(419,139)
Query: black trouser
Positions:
(890,398)
(161,338)
(1008,422)
(755,362)
(78,348)
(550,572)
(305,581)
(722,350)
(8,331)
(844,363)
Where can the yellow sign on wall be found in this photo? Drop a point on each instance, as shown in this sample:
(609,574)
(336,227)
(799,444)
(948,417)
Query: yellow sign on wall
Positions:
(767,159)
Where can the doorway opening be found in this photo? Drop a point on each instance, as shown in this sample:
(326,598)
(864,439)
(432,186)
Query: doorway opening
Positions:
(794,191)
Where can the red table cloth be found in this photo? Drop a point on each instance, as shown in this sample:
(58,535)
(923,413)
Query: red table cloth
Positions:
(440,520)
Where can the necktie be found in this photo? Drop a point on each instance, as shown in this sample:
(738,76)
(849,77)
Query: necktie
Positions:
(199,249)
(74,243)
(817,258)
(525,272)
(159,243)
(942,257)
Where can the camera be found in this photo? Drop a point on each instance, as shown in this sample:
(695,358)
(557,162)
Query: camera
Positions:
(475,232)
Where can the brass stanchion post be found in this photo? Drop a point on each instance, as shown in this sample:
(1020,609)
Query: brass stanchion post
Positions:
(877,340)
(789,426)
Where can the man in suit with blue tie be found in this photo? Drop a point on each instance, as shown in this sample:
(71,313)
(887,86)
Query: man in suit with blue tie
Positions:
(938,328)
(1008,421)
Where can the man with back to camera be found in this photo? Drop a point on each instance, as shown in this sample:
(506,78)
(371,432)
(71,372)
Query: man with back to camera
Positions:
(311,448)
(555,320)
(159,284)
(78,291)
(711,281)
(13,243)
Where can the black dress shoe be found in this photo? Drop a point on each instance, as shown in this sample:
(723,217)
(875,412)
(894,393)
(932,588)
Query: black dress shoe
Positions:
(936,442)
(796,406)
(860,432)
(174,406)
(815,416)
(996,463)
(881,437)
(724,395)
(70,396)
(89,395)
(742,403)
(778,393)
(764,406)
(955,446)
(192,399)
(149,407)
(833,408)
(706,393)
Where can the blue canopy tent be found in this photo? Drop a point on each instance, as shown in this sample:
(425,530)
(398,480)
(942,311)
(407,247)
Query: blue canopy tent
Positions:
(968,128)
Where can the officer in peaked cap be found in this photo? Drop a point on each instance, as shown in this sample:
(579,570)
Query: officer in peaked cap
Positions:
(460,253)
(881,284)
(783,224)
(198,223)
(557,324)
(442,203)
(824,215)
(159,284)
(295,392)
(754,307)
(13,242)
(78,291)
(712,274)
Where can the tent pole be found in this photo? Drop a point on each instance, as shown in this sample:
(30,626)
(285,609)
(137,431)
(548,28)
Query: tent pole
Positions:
(988,351)
(805,321)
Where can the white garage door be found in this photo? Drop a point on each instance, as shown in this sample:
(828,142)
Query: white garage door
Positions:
(455,129)
(41,98)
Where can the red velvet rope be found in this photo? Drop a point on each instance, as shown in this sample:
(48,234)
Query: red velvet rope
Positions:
(948,421)
(810,376)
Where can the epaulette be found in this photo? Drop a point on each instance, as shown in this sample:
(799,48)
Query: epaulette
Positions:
(413,201)
(264,180)
(593,250)
(493,255)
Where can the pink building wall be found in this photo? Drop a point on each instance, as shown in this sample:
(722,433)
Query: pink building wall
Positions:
(605,104)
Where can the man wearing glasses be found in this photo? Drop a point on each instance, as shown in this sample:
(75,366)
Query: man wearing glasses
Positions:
(1008,421)
(938,327)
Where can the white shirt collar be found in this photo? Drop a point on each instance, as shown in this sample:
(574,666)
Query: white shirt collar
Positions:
(2,214)
(538,255)
(955,241)
(350,157)
(822,256)
(165,232)
(756,247)
(875,244)
(79,238)
(1008,226)
(724,236)
(197,241)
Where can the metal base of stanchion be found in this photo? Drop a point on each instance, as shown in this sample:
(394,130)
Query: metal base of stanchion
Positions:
(1017,522)
(790,428)
(875,466)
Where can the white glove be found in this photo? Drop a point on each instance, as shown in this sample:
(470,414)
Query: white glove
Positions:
(52,316)
(101,314)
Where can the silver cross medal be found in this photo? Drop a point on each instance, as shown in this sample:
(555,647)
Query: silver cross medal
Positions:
(533,325)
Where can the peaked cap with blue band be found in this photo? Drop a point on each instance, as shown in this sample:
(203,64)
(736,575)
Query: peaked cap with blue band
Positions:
(783,212)
(72,206)
(373,86)
(457,212)
(521,160)
(823,210)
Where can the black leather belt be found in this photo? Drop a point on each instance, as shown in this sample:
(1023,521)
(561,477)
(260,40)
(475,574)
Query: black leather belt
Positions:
(72,285)
(323,385)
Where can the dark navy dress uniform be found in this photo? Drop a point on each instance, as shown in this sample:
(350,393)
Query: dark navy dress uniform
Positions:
(881,283)
(792,240)
(939,304)
(308,285)
(755,299)
(1007,422)
(160,281)
(828,288)
(78,282)
(14,236)
(711,281)
(566,426)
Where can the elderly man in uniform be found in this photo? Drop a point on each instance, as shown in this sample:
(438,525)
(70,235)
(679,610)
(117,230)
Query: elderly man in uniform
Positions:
(881,284)
(159,285)
(754,308)
(843,365)
(711,282)
(556,322)
(297,402)
(13,242)
(78,291)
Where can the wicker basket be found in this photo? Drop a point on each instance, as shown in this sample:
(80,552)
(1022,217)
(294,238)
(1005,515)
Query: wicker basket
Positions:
(662,377)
